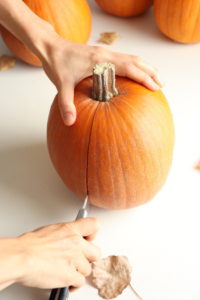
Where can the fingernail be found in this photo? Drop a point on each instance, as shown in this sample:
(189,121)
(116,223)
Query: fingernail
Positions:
(159,81)
(154,85)
(68,118)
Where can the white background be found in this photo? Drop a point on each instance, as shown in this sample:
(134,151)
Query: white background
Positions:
(161,238)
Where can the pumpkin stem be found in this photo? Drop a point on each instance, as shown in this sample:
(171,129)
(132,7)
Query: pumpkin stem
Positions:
(104,82)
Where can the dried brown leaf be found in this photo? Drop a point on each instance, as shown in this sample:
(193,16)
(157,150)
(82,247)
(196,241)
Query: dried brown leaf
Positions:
(7,62)
(197,167)
(108,38)
(111,276)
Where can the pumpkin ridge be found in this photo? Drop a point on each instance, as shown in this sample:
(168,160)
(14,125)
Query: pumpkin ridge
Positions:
(107,114)
(120,134)
(111,118)
(196,23)
(51,18)
(139,114)
(88,149)
(168,21)
(135,142)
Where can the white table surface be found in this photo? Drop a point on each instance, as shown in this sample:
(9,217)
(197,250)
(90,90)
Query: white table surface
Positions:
(160,238)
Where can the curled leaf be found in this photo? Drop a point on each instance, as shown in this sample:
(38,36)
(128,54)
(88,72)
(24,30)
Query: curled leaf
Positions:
(111,276)
(7,62)
(108,38)
(197,167)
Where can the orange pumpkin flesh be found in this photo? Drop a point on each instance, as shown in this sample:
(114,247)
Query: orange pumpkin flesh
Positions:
(70,19)
(125,8)
(118,152)
(179,20)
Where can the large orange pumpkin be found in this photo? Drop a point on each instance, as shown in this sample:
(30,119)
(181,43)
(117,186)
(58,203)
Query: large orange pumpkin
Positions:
(71,19)
(179,20)
(119,151)
(125,8)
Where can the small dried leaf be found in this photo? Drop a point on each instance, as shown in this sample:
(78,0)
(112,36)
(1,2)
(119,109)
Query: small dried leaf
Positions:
(111,276)
(108,37)
(197,167)
(7,62)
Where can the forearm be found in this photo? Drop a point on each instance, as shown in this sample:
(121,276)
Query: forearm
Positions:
(34,32)
(11,261)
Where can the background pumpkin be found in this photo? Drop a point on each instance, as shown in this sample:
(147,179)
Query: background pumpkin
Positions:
(179,20)
(118,152)
(70,19)
(125,8)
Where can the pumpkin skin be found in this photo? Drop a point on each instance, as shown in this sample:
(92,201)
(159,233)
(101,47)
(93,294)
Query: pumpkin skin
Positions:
(70,19)
(118,152)
(178,20)
(125,8)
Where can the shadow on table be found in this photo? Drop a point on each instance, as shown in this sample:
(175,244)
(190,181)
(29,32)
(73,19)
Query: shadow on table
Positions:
(27,172)
(27,175)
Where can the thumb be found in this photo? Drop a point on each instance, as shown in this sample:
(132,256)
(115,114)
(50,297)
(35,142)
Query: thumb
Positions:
(66,105)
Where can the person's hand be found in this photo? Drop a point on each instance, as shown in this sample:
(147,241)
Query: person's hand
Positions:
(59,255)
(67,63)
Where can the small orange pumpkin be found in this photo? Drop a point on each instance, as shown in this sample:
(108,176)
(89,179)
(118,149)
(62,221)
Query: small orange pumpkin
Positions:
(125,8)
(178,20)
(71,19)
(119,151)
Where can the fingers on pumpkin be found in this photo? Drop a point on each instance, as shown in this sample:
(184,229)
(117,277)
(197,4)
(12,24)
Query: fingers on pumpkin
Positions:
(66,105)
(150,70)
(142,77)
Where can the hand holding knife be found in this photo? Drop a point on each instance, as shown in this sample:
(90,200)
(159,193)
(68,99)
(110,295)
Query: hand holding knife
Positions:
(63,293)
